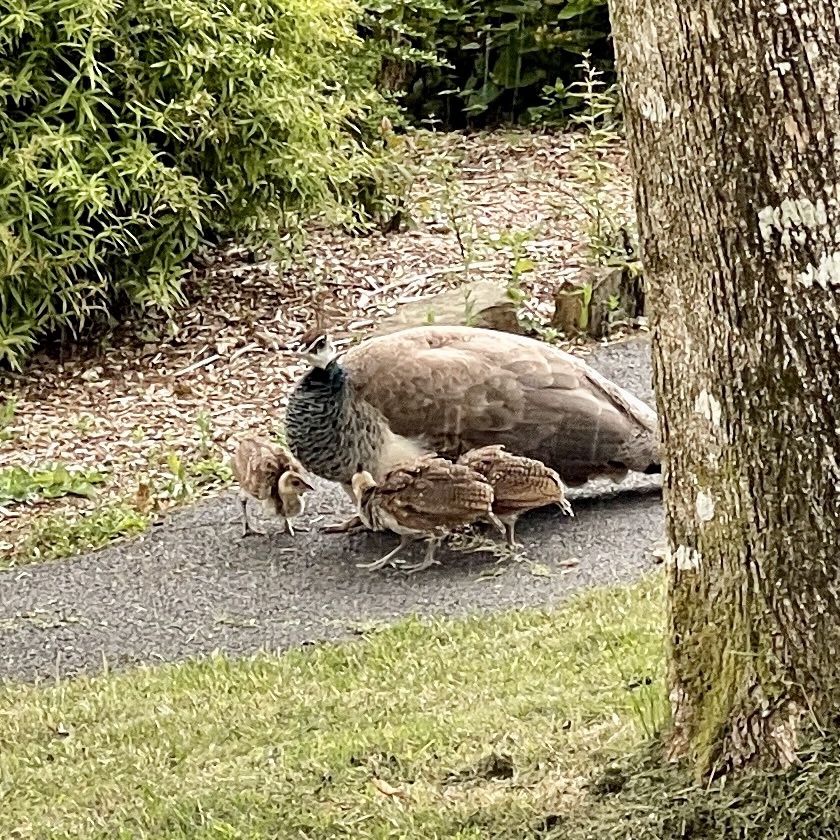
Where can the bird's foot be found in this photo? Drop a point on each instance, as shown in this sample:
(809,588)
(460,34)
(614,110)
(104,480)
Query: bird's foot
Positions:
(386,559)
(375,565)
(566,507)
(291,531)
(247,528)
(354,523)
(425,563)
(251,531)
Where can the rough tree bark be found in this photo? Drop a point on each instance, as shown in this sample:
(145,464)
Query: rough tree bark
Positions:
(733,122)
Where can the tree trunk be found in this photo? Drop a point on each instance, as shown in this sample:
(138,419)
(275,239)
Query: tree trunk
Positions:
(733,122)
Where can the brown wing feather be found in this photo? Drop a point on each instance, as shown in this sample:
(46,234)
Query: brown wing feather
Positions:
(433,493)
(519,483)
(463,388)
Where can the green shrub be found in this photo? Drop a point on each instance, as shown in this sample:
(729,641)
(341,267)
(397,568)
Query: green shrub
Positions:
(479,61)
(132,129)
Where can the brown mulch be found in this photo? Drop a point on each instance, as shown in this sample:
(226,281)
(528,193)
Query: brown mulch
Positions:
(222,365)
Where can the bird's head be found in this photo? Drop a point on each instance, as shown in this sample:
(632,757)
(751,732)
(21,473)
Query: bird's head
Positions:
(318,349)
(292,484)
(362,481)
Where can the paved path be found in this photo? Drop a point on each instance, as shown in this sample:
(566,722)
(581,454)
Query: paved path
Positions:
(192,585)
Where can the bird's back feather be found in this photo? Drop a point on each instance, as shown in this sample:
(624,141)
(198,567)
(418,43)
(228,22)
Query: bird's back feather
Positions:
(519,484)
(428,495)
(461,388)
(257,465)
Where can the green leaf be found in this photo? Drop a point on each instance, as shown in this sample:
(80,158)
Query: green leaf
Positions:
(504,70)
(576,8)
(484,96)
(578,40)
(524,265)
(513,10)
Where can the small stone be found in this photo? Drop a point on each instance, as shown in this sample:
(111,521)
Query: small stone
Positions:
(480,304)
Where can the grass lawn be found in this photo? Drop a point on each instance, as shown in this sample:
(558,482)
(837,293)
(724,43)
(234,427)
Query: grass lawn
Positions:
(488,727)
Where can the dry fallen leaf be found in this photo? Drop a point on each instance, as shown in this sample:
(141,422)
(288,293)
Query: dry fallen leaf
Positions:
(388,789)
(540,570)
(143,497)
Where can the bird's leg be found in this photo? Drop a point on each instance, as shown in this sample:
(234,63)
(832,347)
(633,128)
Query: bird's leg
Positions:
(354,523)
(386,559)
(497,524)
(428,560)
(248,529)
(510,527)
(566,507)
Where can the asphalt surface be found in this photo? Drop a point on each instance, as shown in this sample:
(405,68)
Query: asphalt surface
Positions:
(192,585)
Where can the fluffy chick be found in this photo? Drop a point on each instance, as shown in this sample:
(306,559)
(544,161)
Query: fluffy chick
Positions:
(425,498)
(519,484)
(266,473)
